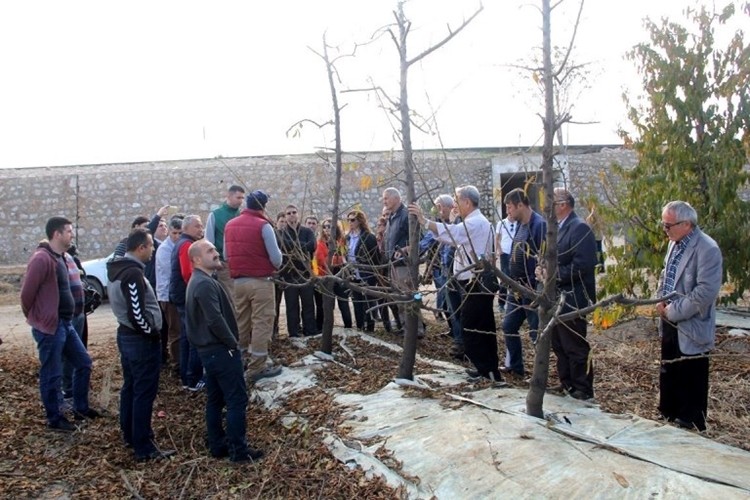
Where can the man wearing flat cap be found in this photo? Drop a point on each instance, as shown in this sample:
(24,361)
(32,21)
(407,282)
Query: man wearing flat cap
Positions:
(253,255)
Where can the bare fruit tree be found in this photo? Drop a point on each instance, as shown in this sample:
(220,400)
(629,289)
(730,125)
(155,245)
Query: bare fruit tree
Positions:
(400,38)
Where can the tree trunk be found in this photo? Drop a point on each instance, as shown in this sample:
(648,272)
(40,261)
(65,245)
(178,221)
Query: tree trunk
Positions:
(535,397)
(329,300)
(406,367)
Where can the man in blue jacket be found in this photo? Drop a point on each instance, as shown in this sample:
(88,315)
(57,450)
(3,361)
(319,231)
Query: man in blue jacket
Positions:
(525,252)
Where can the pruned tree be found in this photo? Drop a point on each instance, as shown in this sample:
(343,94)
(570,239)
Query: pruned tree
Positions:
(329,299)
(400,39)
(692,138)
(551,122)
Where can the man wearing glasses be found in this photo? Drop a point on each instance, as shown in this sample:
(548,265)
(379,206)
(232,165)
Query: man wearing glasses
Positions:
(576,277)
(692,269)
(298,246)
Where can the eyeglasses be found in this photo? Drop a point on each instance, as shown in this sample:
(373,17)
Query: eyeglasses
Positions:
(667,226)
(352,219)
(559,202)
(326,226)
(291,212)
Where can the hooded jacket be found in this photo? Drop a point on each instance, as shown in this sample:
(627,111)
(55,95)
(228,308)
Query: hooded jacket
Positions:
(132,298)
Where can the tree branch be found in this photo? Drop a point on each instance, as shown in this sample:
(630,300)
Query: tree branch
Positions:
(445,40)
(613,299)
(572,39)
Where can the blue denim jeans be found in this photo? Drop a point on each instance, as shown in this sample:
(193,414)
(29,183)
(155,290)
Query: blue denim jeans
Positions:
(439,280)
(191,369)
(67,383)
(51,349)
(516,311)
(141,361)
(225,387)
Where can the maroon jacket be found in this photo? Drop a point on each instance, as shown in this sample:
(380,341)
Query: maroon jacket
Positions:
(40,297)
(244,248)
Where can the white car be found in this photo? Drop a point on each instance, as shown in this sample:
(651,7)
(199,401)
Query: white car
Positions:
(96,273)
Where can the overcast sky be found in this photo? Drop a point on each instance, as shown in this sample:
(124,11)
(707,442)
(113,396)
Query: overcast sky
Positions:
(101,81)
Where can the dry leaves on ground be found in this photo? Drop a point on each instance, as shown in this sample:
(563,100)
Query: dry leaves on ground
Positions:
(93,463)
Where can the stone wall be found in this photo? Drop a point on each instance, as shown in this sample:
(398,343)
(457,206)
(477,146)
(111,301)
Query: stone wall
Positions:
(102,200)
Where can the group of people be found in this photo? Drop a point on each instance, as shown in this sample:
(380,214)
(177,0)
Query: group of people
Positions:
(689,285)
(205,301)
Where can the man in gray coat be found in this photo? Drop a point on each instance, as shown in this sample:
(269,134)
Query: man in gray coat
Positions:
(692,269)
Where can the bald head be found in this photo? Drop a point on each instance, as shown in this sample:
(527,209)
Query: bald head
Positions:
(203,256)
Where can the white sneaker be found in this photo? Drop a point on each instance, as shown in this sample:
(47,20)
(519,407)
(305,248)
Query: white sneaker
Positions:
(197,387)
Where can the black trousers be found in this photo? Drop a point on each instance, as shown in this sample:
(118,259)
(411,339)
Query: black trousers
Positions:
(318,296)
(569,344)
(341,298)
(478,329)
(683,384)
(293,296)
(362,303)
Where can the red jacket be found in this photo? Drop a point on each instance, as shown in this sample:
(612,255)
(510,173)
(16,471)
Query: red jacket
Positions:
(244,248)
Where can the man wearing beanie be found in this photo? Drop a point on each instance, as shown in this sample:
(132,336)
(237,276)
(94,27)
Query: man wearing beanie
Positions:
(253,255)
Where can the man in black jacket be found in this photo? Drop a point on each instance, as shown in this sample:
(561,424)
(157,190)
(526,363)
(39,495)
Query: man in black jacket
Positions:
(212,329)
(576,276)
(396,248)
(134,304)
(298,246)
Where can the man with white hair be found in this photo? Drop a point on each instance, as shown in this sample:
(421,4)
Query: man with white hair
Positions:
(693,269)
(191,370)
(448,292)
(396,249)
(473,239)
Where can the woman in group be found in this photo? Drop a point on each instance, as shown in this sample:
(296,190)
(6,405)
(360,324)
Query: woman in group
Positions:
(362,251)
(337,262)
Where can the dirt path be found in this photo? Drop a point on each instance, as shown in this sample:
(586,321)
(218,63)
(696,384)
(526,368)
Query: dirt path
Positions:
(16,332)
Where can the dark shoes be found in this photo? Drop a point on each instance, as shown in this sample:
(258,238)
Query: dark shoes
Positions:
(686,424)
(507,370)
(252,456)
(155,455)
(88,414)
(559,389)
(457,352)
(62,425)
(495,377)
(580,395)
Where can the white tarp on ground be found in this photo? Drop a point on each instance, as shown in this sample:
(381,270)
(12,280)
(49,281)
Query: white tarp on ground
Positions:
(487,447)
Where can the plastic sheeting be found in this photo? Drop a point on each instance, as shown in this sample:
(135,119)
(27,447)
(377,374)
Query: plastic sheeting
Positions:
(495,451)
(481,444)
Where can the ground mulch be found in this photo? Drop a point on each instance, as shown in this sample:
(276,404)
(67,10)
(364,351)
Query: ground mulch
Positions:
(93,463)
